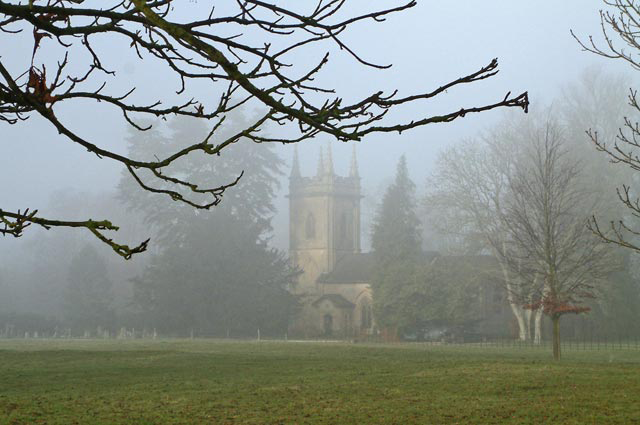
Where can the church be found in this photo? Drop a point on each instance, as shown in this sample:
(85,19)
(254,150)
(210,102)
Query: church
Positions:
(334,282)
(324,244)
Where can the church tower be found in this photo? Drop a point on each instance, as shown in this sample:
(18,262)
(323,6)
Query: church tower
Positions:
(324,219)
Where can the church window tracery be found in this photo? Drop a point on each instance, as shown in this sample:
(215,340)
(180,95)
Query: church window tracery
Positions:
(342,228)
(310,227)
(365,315)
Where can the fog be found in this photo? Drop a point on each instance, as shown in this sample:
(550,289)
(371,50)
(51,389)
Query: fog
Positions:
(427,45)
(43,274)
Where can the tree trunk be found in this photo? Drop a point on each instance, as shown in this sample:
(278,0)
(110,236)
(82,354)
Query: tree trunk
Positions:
(517,311)
(556,337)
(527,317)
(538,327)
(515,308)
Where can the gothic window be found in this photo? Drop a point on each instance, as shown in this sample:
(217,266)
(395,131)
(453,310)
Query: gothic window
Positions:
(365,316)
(310,227)
(342,229)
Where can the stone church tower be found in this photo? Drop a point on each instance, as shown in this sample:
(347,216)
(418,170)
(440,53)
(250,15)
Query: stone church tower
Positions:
(324,234)
(324,222)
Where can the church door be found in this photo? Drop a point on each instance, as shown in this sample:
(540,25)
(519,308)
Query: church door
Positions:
(328,324)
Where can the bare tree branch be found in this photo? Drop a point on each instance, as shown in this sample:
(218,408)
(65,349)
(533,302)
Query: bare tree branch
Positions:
(244,69)
(15,222)
(621,31)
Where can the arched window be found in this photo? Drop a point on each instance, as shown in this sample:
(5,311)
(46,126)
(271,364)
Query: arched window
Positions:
(366,316)
(342,229)
(310,227)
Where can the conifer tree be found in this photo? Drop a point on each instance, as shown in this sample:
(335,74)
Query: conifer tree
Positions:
(252,197)
(215,271)
(396,244)
(88,296)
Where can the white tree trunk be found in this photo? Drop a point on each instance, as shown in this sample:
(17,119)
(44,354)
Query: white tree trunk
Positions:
(515,308)
(527,318)
(538,327)
(518,312)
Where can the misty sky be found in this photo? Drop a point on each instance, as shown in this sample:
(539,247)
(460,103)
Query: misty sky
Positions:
(429,45)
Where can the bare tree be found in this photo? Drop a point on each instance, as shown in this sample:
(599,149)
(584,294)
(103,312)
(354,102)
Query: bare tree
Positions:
(548,241)
(470,187)
(621,30)
(521,193)
(245,54)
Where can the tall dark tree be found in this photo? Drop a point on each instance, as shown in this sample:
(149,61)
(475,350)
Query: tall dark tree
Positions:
(615,314)
(223,278)
(395,231)
(396,244)
(215,270)
(88,296)
(258,164)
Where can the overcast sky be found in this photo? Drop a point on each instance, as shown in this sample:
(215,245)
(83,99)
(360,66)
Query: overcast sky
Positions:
(429,45)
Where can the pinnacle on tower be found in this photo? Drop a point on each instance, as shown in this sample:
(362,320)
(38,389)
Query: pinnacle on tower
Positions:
(329,169)
(354,164)
(295,164)
(320,164)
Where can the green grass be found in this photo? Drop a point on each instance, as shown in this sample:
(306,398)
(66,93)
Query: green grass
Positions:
(205,381)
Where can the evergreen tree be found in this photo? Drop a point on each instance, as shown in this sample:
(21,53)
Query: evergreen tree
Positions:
(252,197)
(88,295)
(614,312)
(224,278)
(395,233)
(396,244)
(216,271)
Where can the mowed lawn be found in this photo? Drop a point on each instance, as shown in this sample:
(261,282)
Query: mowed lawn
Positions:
(207,381)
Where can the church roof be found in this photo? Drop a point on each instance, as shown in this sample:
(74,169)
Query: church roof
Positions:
(354,268)
(357,268)
(337,300)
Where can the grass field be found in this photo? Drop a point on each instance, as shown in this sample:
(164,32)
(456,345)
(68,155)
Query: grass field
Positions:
(205,381)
